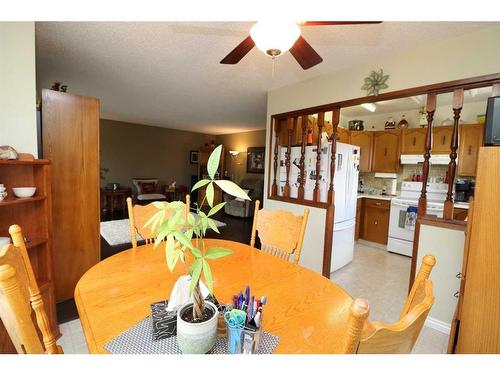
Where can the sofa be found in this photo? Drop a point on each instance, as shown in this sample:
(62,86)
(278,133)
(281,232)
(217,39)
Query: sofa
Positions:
(148,190)
(242,208)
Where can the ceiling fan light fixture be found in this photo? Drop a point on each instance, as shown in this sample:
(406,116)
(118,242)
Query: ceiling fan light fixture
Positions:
(274,38)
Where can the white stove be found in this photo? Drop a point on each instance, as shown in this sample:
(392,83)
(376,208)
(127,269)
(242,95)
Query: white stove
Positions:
(403,209)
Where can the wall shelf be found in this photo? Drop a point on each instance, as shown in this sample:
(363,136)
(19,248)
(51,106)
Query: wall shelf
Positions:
(12,201)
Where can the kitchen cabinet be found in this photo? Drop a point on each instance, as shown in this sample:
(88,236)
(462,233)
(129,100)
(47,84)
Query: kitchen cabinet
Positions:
(375,225)
(386,151)
(343,135)
(413,141)
(359,218)
(441,139)
(363,139)
(471,139)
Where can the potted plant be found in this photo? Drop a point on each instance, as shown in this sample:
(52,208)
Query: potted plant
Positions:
(182,234)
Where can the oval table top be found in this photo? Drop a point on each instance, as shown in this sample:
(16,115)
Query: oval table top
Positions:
(306,310)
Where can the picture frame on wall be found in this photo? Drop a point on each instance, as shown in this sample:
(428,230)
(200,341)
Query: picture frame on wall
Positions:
(193,157)
(256,159)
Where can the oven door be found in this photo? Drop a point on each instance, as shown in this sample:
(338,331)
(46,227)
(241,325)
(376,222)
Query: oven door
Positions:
(397,221)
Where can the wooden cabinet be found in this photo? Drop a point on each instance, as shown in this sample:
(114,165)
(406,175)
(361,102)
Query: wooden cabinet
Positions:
(363,139)
(70,130)
(34,216)
(343,135)
(386,151)
(460,214)
(359,218)
(441,139)
(471,139)
(477,326)
(413,141)
(375,226)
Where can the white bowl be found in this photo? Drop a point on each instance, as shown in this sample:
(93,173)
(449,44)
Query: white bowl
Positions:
(24,192)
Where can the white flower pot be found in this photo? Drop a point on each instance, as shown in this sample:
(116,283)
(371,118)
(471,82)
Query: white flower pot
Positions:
(196,338)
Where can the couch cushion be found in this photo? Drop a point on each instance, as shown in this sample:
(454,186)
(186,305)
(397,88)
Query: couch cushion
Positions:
(148,197)
(147,187)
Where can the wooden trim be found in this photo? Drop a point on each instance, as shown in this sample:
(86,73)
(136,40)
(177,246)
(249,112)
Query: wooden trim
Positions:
(300,192)
(303,202)
(276,129)
(437,88)
(435,221)
(321,123)
(289,129)
(431,108)
(458,102)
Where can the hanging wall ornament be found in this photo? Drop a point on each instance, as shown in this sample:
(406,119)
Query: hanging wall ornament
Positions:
(375,82)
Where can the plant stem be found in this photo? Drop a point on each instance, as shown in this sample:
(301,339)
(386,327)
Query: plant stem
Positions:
(198,303)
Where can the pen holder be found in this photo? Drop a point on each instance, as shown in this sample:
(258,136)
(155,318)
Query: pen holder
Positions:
(243,340)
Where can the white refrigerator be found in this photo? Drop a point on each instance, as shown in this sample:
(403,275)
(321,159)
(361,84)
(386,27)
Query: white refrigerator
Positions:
(346,188)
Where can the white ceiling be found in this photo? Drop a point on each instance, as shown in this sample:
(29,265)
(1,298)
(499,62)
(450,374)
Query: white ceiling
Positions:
(168,73)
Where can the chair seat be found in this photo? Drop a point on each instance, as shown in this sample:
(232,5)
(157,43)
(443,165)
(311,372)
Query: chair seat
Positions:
(148,197)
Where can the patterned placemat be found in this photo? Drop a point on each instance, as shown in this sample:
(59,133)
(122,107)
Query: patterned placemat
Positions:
(138,340)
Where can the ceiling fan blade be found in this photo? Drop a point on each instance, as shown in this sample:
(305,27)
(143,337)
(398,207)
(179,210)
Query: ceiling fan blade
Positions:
(305,55)
(333,23)
(239,52)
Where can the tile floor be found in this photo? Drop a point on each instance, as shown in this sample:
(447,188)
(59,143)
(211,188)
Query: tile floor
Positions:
(377,275)
(381,277)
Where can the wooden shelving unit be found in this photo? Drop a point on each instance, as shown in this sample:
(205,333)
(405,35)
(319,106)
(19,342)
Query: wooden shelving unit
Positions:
(34,216)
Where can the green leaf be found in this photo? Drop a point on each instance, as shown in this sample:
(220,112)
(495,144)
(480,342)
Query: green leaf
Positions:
(200,184)
(181,237)
(213,161)
(207,273)
(196,252)
(169,252)
(209,193)
(232,189)
(217,252)
(159,205)
(216,208)
(154,220)
(176,205)
(195,273)
(212,225)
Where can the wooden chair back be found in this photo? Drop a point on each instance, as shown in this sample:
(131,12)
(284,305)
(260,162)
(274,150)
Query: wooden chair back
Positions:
(358,316)
(20,297)
(400,337)
(139,215)
(281,233)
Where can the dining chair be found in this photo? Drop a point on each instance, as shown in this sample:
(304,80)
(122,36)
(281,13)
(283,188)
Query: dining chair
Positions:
(19,296)
(358,316)
(138,216)
(281,233)
(400,337)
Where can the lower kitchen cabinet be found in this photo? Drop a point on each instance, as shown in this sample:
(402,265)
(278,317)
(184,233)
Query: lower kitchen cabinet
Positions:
(375,225)
(359,218)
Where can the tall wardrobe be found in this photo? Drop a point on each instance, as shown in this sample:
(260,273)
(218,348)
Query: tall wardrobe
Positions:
(70,140)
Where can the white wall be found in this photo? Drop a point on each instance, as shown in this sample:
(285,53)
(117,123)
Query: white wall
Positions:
(447,245)
(465,56)
(18,94)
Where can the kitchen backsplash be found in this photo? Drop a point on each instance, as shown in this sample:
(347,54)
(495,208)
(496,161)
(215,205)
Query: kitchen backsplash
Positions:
(377,184)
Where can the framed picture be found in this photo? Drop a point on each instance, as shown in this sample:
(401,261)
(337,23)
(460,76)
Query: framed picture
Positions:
(193,157)
(255,159)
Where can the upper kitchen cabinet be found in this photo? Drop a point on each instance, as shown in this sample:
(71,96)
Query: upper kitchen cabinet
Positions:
(364,139)
(386,151)
(471,139)
(343,135)
(413,141)
(441,139)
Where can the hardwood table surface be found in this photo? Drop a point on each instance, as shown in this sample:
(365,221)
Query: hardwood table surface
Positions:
(307,311)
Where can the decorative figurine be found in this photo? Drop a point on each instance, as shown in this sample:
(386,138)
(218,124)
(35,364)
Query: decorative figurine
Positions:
(8,153)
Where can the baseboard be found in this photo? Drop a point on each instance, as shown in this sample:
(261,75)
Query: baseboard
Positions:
(438,325)
(372,244)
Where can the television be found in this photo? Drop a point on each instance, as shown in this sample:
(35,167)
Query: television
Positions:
(492,128)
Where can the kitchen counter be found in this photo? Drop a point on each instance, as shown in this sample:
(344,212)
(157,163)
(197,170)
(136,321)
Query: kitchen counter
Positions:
(376,196)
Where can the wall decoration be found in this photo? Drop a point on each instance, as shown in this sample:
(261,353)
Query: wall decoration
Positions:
(375,82)
(193,157)
(255,159)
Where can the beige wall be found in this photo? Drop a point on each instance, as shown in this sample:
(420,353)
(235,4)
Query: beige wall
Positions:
(132,150)
(18,94)
(237,167)
(469,55)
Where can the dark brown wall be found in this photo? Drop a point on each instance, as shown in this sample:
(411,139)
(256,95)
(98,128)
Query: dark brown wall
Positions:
(132,150)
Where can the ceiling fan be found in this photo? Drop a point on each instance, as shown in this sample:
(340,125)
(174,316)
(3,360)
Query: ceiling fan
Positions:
(275,38)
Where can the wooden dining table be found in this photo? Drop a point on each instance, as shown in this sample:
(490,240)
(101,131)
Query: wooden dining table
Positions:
(306,310)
